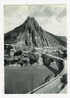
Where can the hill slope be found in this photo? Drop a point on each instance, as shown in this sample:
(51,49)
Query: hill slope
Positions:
(32,35)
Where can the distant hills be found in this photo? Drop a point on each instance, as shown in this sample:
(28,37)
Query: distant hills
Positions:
(31,34)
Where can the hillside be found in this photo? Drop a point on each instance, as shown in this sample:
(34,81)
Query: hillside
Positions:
(31,34)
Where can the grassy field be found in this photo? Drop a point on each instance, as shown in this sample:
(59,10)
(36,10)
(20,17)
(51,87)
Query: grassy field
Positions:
(22,80)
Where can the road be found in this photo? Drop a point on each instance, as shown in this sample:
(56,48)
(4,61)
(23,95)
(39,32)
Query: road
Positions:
(53,86)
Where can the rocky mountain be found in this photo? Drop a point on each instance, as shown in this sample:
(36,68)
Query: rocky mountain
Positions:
(31,34)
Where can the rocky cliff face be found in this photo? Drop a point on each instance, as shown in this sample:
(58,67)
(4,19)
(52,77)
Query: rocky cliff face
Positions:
(31,34)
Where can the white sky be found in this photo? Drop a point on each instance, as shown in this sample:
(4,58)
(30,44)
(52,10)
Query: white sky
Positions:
(51,17)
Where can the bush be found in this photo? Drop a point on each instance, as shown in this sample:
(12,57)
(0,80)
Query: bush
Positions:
(46,60)
(60,65)
(23,61)
(64,79)
(33,58)
(18,53)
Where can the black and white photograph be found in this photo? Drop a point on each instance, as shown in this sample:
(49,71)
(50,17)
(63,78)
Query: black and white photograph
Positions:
(35,49)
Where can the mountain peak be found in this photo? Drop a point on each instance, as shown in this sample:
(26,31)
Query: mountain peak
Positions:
(30,33)
(31,20)
(30,24)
